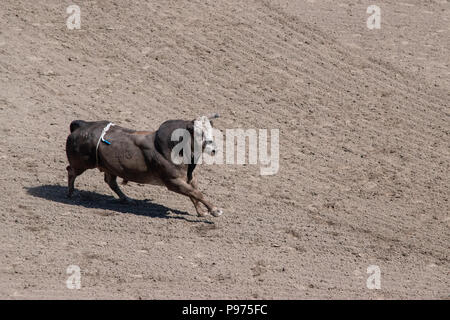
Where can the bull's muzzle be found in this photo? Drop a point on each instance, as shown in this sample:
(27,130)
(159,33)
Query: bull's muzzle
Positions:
(210,147)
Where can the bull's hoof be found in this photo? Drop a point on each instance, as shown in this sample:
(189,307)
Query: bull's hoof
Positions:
(216,212)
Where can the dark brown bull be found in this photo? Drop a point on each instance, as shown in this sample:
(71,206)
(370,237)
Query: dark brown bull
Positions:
(139,156)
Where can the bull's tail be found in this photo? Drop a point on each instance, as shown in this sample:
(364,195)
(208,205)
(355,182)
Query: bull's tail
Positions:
(74,125)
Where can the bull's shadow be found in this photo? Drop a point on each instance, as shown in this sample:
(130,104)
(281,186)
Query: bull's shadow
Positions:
(94,200)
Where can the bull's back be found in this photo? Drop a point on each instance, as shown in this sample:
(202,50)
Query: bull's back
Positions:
(121,157)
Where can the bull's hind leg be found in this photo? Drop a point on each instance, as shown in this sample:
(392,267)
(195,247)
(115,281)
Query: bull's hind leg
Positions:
(72,174)
(111,180)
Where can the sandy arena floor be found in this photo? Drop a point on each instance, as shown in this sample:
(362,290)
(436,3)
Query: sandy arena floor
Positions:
(364,124)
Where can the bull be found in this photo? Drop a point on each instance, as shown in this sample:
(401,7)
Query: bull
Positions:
(141,156)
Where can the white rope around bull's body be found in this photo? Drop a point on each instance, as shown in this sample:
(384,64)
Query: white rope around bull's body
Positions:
(102,138)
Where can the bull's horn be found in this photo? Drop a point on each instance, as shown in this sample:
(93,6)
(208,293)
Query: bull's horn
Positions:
(213,116)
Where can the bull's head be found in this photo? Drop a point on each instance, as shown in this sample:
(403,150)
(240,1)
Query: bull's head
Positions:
(188,144)
(203,133)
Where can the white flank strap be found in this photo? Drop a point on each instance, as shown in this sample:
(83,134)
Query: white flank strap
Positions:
(102,138)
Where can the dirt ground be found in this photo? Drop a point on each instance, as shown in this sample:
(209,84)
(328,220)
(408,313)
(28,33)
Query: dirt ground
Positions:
(364,149)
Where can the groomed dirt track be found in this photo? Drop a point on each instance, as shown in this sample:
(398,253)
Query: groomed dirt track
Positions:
(364,149)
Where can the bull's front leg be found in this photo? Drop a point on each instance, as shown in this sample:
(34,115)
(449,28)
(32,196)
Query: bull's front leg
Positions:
(111,180)
(181,186)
